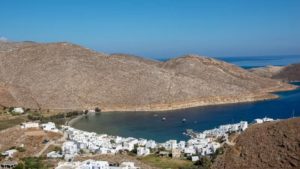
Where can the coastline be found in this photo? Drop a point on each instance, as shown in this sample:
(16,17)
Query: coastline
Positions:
(265,95)
(209,101)
(74,120)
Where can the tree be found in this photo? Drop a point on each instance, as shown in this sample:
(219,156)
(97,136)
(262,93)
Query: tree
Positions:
(20,166)
(97,109)
(10,109)
(33,162)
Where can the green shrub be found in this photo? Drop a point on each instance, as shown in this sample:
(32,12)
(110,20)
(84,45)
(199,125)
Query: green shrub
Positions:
(33,163)
(57,149)
(21,149)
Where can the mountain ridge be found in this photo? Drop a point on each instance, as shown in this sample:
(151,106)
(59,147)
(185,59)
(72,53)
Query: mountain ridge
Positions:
(68,76)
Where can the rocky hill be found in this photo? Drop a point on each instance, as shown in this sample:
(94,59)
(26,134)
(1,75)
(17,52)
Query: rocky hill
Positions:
(68,76)
(274,145)
(268,71)
(288,73)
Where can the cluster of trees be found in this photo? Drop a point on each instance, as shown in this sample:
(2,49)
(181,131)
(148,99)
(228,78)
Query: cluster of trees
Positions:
(39,116)
(32,162)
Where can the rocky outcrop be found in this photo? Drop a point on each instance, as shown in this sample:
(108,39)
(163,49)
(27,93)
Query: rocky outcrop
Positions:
(68,76)
(274,145)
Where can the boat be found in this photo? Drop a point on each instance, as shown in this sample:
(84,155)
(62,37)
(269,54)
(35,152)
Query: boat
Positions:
(183,120)
(163,119)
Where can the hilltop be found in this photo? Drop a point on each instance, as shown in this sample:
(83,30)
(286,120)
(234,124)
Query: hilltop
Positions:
(68,76)
(273,145)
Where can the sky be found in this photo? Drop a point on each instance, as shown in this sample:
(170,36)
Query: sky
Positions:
(158,28)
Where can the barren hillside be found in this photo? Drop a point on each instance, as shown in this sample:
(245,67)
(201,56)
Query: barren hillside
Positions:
(68,76)
(268,71)
(287,73)
(274,145)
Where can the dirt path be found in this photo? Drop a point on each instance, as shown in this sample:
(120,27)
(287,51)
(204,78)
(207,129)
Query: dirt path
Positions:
(52,142)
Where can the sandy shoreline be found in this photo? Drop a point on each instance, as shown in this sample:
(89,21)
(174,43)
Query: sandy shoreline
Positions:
(267,95)
(74,120)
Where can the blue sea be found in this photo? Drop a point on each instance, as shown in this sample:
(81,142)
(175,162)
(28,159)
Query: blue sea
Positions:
(149,125)
(260,61)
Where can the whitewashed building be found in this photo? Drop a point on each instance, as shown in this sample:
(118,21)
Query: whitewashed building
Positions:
(50,126)
(9,153)
(143,151)
(18,110)
(92,164)
(195,158)
(189,151)
(54,154)
(29,125)
(70,147)
(127,165)
(151,144)
(265,119)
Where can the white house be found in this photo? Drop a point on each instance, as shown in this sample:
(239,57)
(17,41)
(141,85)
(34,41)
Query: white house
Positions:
(9,153)
(201,135)
(91,164)
(69,149)
(129,144)
(189,151)
(195,158)
(169,145)
(181,145)
(29,125)
(127,165)
(18,110)
(54,154)
(266,119)
(259,121)
(50,126)
(142,142)
(151,144)
(143,151)
(243,125)
(263,120)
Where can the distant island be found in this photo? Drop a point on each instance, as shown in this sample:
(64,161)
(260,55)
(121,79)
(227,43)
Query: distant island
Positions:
(66,76)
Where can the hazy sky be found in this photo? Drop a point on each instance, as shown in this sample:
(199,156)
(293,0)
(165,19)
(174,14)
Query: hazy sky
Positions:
(159,28)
